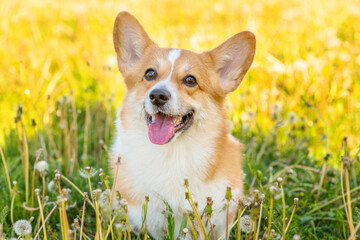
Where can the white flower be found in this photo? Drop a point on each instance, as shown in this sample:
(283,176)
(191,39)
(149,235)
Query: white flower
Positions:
(246,224)
(22,227)
(42,167)
(87,172)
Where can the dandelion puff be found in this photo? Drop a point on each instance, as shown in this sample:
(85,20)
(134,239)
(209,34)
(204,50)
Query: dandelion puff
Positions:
(87,172)
(42,167)
(71,206)
(65,192)
(53,187)
(277,236)
(274,190)
(104,201)
(293,117)
(246,201)
(275,110)
(246,224)
(22,227)
(104,198)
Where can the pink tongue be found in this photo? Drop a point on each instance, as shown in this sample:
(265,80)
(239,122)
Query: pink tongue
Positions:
(161,129)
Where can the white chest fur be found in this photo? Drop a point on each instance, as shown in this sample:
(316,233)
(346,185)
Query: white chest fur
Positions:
(159,171)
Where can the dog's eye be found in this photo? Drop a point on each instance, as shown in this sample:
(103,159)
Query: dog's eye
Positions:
(190,81)
(150,74)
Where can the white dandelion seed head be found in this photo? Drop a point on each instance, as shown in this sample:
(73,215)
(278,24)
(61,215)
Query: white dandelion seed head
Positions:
(277,236)
(246,224)
(22,228)
(42,167)
(52,186)
(246,201)
(293,118)
(274,190)
(39,151)
(69,206)
(277,107)
(87,172)
(104,198)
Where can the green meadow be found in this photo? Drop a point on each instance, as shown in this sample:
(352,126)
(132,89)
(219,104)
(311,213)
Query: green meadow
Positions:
(297,112)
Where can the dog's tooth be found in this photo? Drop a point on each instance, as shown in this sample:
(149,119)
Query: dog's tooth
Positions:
(178,120)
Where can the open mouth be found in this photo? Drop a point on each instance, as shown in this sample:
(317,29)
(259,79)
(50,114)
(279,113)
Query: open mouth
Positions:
(162,127)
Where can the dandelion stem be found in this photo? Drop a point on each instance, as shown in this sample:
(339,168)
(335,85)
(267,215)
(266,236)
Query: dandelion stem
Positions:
(128,226)
(72,184)
(192,228)
(115,180)
(12,208)
(97,213)
(62,225)
(6,171)
(121,232)
(283,209)
(145,208)
(196,212)
(352,235)
(291,217)
(109,228)
(348,196)
(65,220)
(240,213)
(212,229)
(342,190)
(42,217)
(92,198)
(26,170)
(227,219)
(33,180)
(44,189)
(270,216)
(83,216)
(231,227)
(47,218)
(258,229)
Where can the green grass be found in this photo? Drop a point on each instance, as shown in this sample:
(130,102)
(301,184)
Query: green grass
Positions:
(284,151)
(299,99)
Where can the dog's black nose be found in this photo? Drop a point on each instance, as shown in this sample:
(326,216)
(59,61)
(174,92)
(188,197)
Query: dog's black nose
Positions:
(159,97)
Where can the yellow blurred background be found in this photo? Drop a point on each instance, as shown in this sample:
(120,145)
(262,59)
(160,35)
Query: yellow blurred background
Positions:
(306,51)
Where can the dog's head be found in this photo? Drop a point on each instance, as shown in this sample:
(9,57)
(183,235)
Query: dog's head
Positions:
(171,91)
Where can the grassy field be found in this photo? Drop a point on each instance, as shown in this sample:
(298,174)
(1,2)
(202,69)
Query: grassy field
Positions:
(59,90)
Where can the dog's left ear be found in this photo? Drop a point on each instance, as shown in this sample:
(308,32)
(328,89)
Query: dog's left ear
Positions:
(233,58)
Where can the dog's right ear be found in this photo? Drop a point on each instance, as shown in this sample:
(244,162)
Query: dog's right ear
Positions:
(130,41)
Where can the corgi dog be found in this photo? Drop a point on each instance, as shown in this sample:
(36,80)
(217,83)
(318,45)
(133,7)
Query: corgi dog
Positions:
(173,125)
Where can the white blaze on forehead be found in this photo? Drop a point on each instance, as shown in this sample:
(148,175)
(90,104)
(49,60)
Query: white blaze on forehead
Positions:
(173,55)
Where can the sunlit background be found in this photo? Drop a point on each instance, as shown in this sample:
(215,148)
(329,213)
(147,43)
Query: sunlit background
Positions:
(306,66)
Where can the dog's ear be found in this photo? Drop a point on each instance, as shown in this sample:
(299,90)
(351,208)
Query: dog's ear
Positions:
(130,41)
(233,58)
